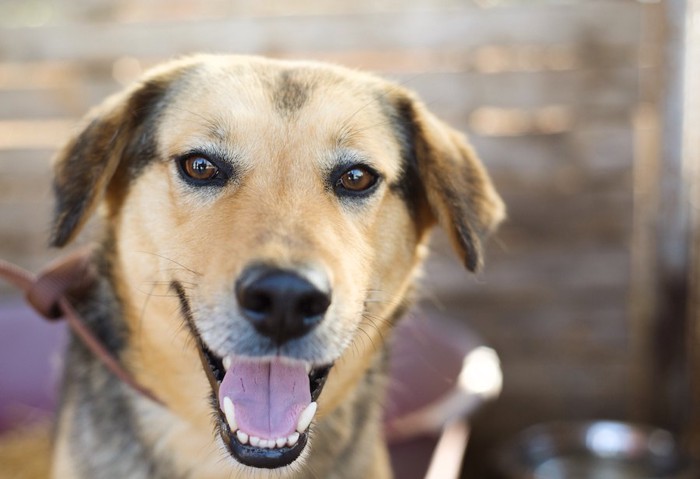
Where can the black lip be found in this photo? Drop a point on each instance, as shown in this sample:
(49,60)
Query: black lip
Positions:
(317,379)
(260,457)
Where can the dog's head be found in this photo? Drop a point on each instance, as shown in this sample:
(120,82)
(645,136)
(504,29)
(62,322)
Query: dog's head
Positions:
(286,206)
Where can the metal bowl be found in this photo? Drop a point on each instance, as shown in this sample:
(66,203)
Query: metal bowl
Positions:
(597,450)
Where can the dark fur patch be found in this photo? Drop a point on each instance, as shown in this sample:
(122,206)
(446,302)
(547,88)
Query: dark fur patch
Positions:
(409,185)
(77,176)
(422,169)
(103,410)
(185,309)
(105,421)
(364,411)
(144,109)
(290,94)
(120,142)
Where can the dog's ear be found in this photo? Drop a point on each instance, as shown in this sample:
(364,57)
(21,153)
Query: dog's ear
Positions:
(87,165)
(457,189)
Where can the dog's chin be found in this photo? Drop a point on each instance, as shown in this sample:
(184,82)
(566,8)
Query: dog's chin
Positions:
(286,437)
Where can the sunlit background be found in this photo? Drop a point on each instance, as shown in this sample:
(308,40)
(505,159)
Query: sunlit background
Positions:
(567,103)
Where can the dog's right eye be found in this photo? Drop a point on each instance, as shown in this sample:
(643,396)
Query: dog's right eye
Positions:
(199,170)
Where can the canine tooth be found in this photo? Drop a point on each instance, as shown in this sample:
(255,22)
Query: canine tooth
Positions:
(308,368)
(254,440)
(227,363)
(242,437)
(230,412)
(306,416)
(293,438)
(281,441)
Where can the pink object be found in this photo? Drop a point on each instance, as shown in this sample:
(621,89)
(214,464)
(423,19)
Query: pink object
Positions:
(268,396)
(30,360)
(427,408)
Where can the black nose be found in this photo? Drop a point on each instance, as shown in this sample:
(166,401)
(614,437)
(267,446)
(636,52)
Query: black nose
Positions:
(279,303)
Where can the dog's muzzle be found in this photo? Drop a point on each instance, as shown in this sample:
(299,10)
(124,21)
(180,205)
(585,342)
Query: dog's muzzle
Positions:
(266,405)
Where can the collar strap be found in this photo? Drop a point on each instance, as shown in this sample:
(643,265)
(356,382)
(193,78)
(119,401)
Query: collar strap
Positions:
(47,292)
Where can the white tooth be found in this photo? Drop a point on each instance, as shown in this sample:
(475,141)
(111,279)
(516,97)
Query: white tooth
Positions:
(263,443)
(293,438)
(281,441)
(254,441)
(230,413)
(227,363)
(308,368)
(306,416)
(242,437)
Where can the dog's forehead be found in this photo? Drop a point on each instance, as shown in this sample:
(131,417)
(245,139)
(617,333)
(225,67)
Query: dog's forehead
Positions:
(256,109)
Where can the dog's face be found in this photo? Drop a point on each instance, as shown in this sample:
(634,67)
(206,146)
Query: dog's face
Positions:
(285,206)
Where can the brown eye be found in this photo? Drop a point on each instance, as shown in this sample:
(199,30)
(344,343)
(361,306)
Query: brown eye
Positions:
(357,179)
(199,168)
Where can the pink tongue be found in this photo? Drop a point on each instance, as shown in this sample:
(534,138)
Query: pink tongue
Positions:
(268,396)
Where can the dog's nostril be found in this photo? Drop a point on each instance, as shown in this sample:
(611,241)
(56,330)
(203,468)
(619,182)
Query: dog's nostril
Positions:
(280,304)
(257,302)
(313,304)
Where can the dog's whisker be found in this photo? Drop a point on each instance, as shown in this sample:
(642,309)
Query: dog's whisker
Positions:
(142,315)
(369,291)
(376,293)
(376,301)
(375,318)
(371,321)
(369,337)
(163,295)
(186,284)
(172,261)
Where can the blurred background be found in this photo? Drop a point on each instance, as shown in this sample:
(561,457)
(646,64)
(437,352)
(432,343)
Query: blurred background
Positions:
(584,112)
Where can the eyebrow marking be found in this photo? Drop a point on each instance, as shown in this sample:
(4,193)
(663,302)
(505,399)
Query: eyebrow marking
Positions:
(290,93)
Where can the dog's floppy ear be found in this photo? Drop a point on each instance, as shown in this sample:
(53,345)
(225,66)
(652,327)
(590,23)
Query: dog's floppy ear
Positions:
(84,168)
(457,188)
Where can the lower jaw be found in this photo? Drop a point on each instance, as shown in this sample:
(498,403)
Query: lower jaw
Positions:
(260,457)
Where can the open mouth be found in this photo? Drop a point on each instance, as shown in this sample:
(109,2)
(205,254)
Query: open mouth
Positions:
(265,407)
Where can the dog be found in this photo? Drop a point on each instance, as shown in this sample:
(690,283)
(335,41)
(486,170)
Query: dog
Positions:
(262,224)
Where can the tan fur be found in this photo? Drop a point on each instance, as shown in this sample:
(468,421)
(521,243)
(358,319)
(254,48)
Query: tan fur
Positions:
(277,210)
(24,454)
